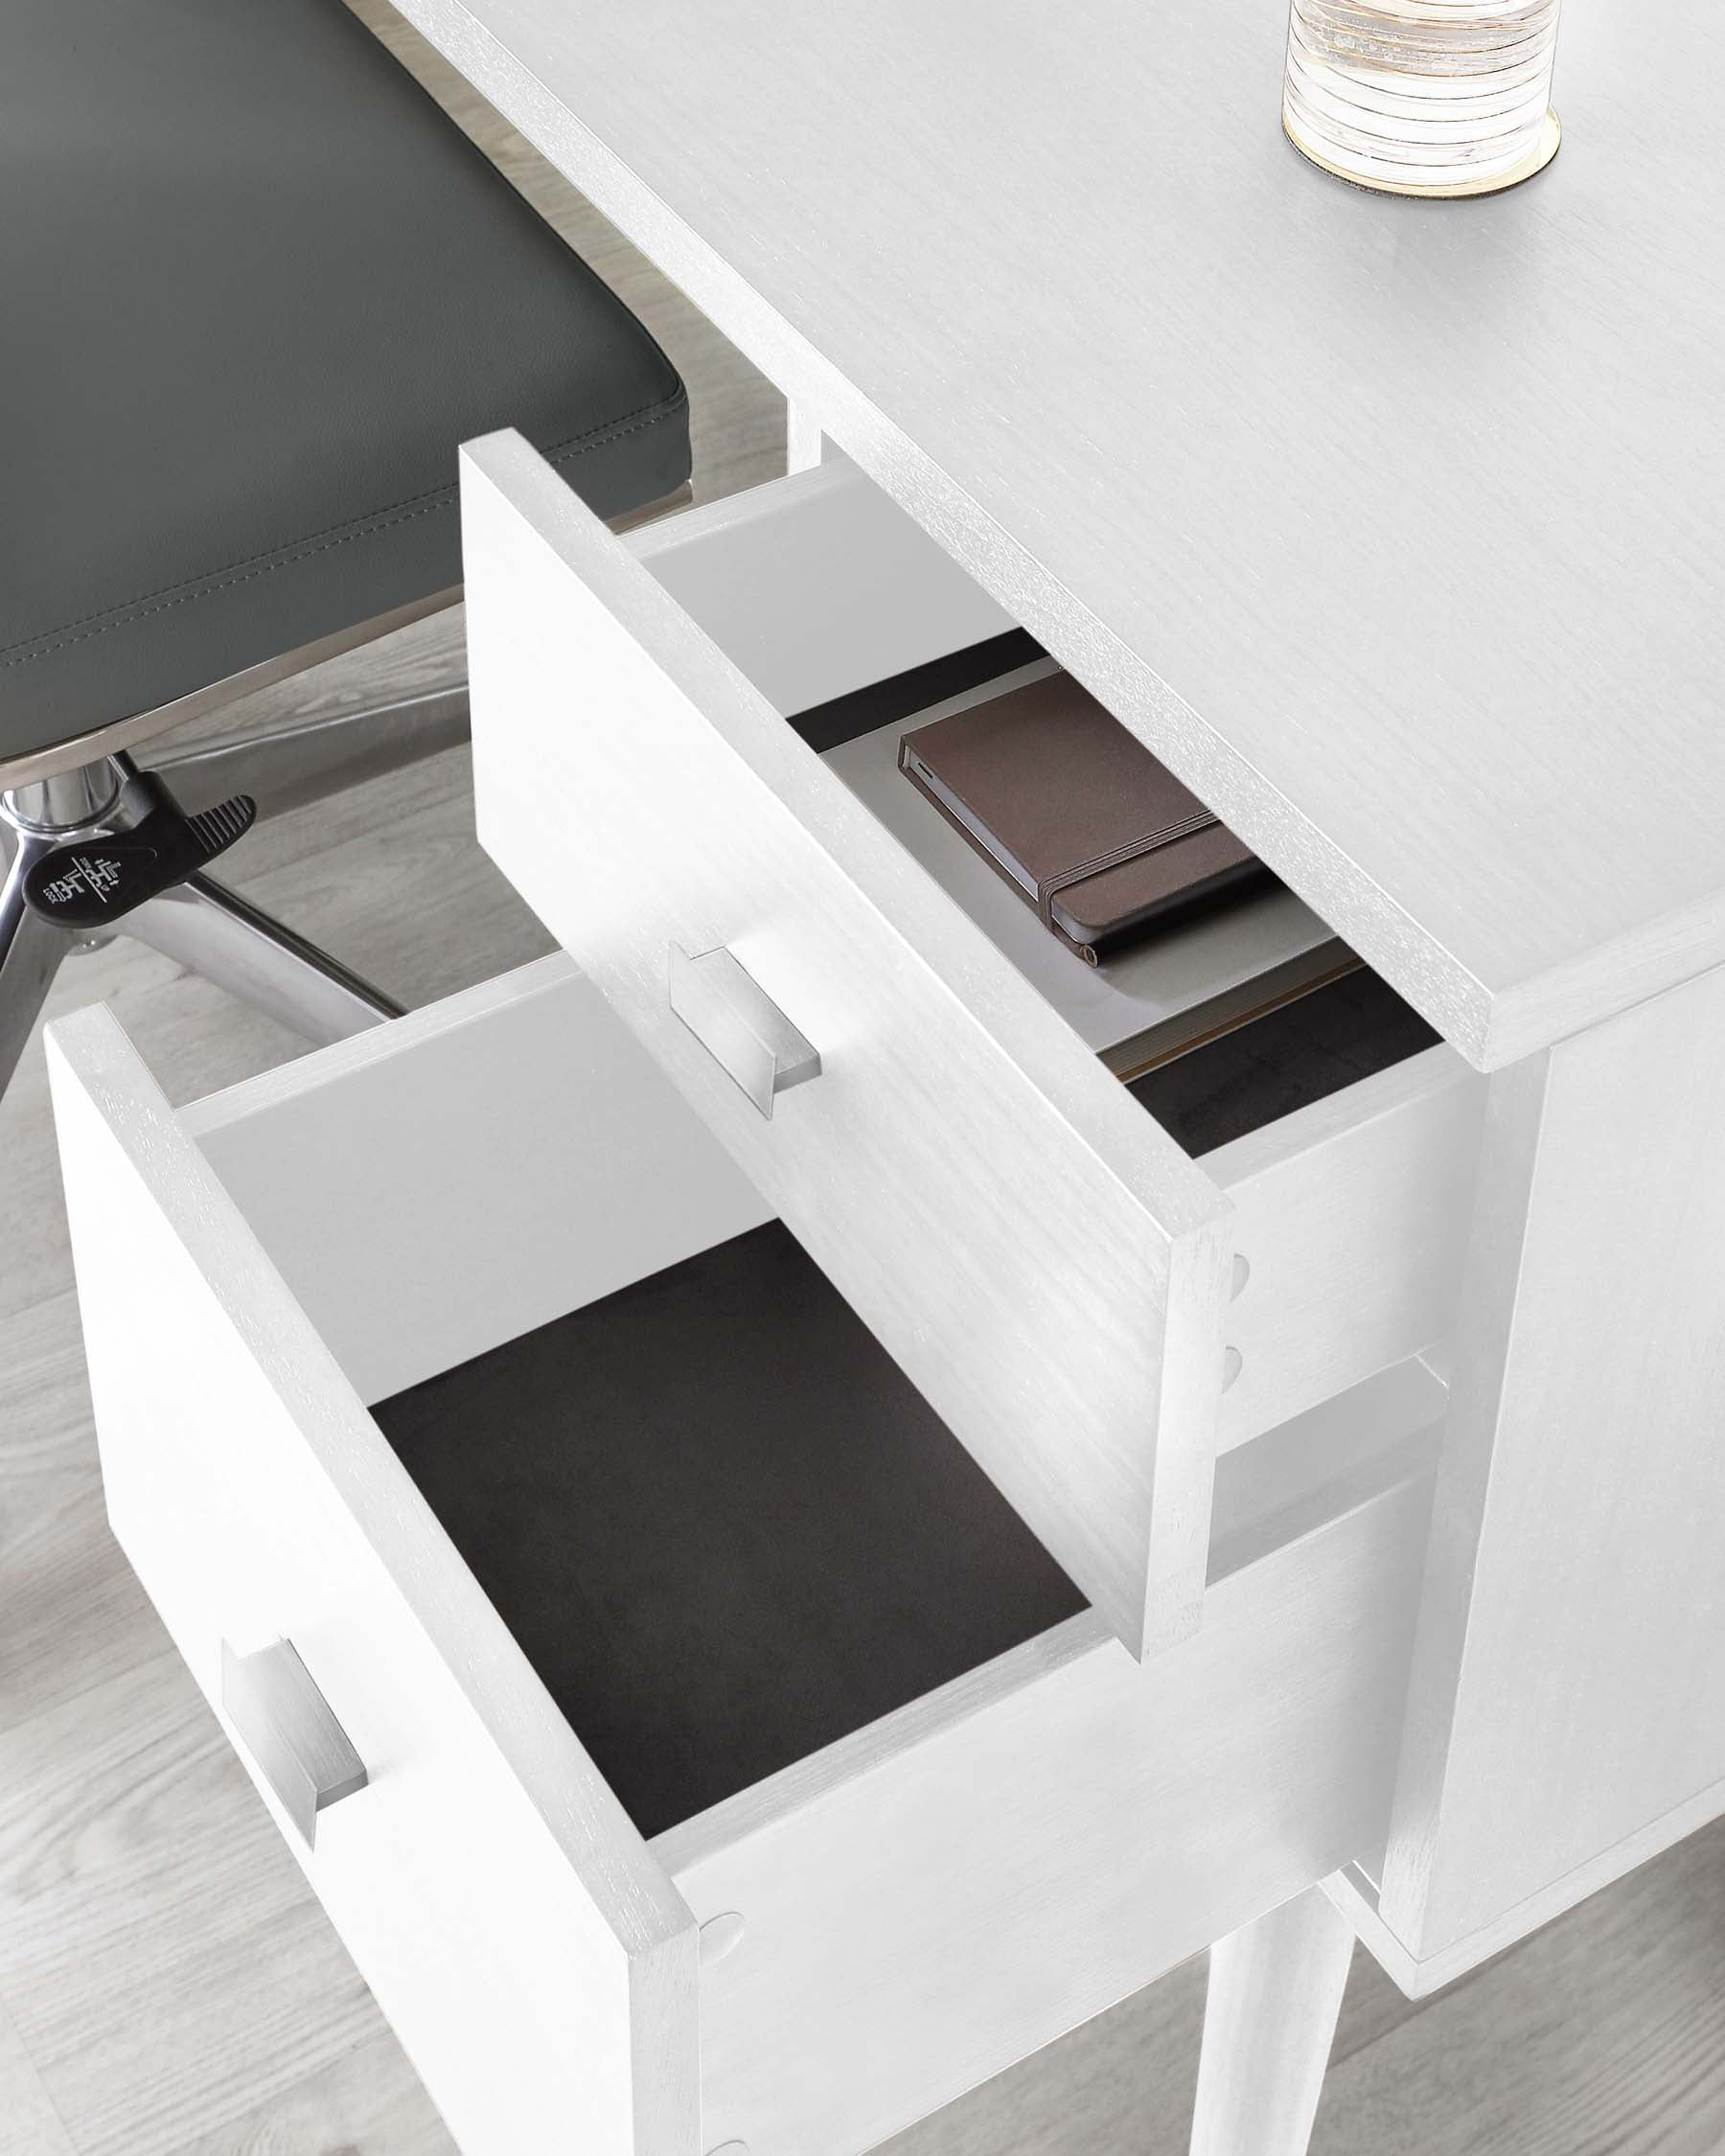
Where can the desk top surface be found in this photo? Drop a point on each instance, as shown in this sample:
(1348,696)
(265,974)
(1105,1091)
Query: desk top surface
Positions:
(1394,526)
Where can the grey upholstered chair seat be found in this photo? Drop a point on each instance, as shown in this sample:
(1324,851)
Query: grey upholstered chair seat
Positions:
(254,289)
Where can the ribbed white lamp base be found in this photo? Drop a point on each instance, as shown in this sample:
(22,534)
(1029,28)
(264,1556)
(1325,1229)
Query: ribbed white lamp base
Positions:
(1440,98)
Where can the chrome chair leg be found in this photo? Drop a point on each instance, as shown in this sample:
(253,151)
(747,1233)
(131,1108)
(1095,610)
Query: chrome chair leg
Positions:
(202,925)
(291,766)
(31,950)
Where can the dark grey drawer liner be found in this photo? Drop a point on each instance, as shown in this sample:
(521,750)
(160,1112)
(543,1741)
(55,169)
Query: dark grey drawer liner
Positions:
(721,1525)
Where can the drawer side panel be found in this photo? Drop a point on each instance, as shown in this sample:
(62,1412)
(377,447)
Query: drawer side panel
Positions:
(1038,1257)
(502,1910)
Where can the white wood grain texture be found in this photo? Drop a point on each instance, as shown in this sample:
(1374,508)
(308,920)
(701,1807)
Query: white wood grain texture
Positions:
(1566,1689)
(366,2103)
(1354,1891)
(537,1965)
(941,1894)
(146,1893)
(1605,2034)
(34,2127)
(431,1188)
(1041,1258)
(1352,1217)
(1276,1988)
(1199,479)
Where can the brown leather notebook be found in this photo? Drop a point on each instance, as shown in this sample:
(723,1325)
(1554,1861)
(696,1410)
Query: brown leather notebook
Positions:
(1076,815)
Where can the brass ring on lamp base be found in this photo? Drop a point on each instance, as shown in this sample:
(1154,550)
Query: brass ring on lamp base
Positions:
(1550,136)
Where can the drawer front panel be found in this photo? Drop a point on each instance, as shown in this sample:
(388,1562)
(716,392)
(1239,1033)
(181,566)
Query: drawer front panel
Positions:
(1049,1838)
(536,1963)
(1040,1258)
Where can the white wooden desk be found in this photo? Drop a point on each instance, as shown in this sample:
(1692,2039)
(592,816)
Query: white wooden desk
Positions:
(1394,528)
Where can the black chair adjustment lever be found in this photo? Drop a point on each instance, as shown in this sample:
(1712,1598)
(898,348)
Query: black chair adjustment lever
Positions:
(90,880)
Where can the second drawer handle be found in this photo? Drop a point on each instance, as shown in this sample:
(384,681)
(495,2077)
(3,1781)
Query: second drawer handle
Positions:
(740,1026)
(298,1746)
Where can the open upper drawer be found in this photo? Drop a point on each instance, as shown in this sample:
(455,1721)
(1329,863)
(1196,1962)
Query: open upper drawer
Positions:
(740,1769)
(1092,1312)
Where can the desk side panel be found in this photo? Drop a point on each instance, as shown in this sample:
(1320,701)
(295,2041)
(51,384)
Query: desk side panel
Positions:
(1566,1689)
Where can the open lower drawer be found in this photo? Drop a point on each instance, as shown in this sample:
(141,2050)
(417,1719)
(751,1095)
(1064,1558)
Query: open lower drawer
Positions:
(740,1773)
(1094,1312)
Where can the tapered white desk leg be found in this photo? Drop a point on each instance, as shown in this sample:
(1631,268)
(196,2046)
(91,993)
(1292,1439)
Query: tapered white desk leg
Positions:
(1275,1991)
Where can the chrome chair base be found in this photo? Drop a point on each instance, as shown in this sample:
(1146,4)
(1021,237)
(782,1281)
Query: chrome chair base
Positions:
(203,926)
(200,924)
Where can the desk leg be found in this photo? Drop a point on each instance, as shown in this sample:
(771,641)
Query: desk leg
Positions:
(1275,1991)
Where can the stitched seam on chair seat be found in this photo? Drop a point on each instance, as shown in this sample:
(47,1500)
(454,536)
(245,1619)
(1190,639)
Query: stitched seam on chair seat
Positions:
(28,650)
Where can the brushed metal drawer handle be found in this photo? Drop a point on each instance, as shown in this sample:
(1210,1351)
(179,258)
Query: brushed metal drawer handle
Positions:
(299,1747)
(741,1027)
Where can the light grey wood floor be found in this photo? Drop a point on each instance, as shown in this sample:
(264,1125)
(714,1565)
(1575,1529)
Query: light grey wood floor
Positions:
(167,1985)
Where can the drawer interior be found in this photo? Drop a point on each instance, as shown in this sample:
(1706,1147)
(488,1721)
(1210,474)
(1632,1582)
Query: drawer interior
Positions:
(852,624)
(724,1526)
(726,1530)
(1219,1026)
